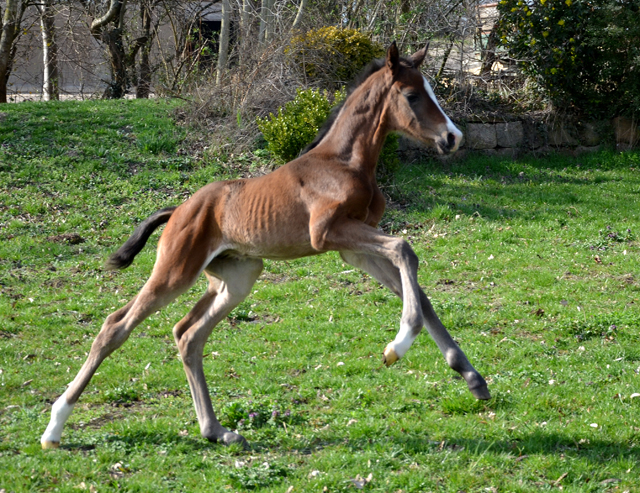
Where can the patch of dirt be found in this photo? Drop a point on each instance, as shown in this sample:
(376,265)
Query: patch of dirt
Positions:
(69,238)
(170,393)
(100,421)
(277,278)
(133,167)
(628,279)
(55,283)
(445,282)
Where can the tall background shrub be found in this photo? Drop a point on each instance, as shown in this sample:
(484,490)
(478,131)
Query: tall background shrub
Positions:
(296,124)
(332,55)
(585,54)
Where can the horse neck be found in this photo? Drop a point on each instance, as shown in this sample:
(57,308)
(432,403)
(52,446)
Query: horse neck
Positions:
(360,128)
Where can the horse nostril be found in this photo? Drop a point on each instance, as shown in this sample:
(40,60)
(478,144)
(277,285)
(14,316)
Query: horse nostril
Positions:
(451,139)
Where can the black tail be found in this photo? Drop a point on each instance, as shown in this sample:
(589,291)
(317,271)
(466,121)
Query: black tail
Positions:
(126,253)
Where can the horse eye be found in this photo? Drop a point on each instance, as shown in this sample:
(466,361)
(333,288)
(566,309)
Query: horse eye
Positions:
(412,98)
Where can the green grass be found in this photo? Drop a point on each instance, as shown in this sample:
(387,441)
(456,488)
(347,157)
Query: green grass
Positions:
(532,264)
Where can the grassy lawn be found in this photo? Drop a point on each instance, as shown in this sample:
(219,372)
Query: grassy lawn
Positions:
(532,265)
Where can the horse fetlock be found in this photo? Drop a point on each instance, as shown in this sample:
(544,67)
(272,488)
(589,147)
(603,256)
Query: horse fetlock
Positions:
(224,436)
(60,412)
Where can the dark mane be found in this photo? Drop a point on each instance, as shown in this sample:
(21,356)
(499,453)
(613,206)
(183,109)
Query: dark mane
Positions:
(367,72)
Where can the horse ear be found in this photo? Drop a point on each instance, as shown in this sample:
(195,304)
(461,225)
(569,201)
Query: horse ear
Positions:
(418,57)
(393,59)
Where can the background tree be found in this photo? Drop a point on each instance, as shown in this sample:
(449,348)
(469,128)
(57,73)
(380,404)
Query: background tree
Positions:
(584,54)
(225,29)
(11,20)
(50,79)
(110,30)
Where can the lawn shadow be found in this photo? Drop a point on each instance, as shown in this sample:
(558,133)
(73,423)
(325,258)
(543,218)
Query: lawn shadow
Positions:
(481,182)
(132,439)
(535,443)
(519,448)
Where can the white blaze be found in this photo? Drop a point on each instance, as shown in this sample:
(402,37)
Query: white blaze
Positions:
(450,126)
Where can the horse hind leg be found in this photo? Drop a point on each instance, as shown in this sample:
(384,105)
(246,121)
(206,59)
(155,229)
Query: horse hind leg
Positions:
(154,295)
(114,333)
(230,281)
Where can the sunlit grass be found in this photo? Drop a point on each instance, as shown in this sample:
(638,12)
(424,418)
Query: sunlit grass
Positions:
(532,264)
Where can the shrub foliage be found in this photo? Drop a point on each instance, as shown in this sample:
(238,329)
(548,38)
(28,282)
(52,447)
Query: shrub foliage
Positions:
(295,125)
(585,54)
(332,55)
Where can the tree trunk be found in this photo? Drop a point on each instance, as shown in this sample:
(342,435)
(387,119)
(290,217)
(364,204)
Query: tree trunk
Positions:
(245,19)
(10,25)
(489,53)
(224,40)
(117,87)
(245,30)
(143,87)
(264,6)
(447,52)
(50,83)
(108,29)
(271,16)
(266,20)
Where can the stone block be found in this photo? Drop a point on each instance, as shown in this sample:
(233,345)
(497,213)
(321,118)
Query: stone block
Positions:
(510,134)
(534,135)
(560,135)
(481,136)
(588,135)
(408,144)
(504,152)
(585,149)
(627,133)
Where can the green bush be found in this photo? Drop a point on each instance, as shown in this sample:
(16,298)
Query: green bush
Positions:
(388,161)
(332,55)
(585,54)
(295,125)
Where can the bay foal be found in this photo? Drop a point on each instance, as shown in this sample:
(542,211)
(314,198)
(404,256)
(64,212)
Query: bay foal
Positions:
(326,199)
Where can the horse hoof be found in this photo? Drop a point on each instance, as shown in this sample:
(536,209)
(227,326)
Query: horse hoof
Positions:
(230,438)
(389,356)
(481,393)
(49,445)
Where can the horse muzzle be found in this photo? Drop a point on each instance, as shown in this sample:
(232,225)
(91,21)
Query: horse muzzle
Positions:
(449,142)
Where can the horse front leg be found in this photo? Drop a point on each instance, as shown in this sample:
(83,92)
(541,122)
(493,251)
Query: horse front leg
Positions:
(387,274)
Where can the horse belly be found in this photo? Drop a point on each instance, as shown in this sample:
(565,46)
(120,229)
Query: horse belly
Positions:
(266,233)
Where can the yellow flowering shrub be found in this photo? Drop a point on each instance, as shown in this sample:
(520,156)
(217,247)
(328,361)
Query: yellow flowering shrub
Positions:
(332,55)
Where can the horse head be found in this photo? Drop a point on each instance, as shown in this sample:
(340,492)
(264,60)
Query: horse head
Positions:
(412,106)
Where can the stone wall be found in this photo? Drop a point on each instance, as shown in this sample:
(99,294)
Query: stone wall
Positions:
(512,136)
